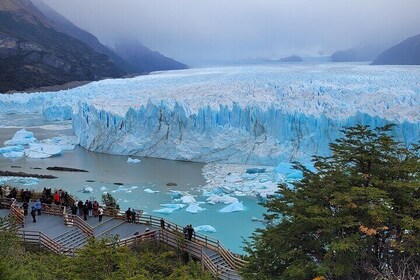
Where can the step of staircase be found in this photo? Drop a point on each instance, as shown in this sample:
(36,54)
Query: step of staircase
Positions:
(224,269)
(73,238)
(104,228)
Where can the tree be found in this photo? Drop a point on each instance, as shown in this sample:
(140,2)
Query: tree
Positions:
(358,213)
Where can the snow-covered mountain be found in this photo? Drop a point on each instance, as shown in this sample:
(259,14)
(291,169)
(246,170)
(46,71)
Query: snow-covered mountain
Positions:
(258,115)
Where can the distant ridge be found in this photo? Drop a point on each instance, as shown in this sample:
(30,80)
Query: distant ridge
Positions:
(34,54)
(357,54)
(145,59)
(66,26)
(132,58)
(405,53)
(292,58)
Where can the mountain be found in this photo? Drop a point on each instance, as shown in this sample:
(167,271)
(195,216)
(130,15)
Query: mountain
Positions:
(356,54)
(34,53)
(145,59)
(292,58)
(66,26)
(405,53)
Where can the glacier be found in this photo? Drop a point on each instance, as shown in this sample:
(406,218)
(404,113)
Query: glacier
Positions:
(248,115)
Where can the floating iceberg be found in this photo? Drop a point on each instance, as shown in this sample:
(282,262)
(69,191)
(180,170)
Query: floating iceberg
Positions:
(26,181)
(21,137)
(205,228)
(12,151)
(38,150)
(213,199)
(169,208)
(133,160)
(150,191)
(87,190)
(177,194)
(188,199)
(194,208)
(234,207)
(173,205)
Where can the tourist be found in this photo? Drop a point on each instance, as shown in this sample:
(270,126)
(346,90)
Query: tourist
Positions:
(95,206)
(27,195)
(100,213)
(185,231)
(74,209)
(80,206)
(128,215)
(57,198)
(133,216)
(190,231)
(85,211)
(90,207)
(162,223)
(33,214)
(38,207)
(25,207)
(22,194)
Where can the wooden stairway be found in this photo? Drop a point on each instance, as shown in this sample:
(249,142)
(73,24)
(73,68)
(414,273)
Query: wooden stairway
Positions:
(72,239)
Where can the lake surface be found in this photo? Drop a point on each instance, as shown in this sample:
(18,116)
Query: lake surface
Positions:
(106,170)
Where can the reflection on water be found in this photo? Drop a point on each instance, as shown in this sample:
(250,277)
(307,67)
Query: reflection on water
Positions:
(127,181)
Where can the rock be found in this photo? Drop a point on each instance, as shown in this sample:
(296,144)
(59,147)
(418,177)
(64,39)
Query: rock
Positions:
(69,169)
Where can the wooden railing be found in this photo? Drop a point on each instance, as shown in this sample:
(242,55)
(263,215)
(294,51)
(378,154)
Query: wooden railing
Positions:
(5,202)
(53,209)
(134,240)
(17,214)
(74,220)
(37,237)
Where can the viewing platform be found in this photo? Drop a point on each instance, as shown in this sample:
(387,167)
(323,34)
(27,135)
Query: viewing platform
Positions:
(57,230)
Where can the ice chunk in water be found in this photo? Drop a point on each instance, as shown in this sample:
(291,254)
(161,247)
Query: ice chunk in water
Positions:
(205,228)
(37,150)
(233,207)
(21,137)
(133,160)
(194,208)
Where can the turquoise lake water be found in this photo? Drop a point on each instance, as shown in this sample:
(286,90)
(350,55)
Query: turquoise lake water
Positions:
(106,170)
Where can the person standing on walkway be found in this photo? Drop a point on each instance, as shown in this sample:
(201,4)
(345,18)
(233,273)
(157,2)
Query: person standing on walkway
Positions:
(128,215)
(101,213)
(25,207)
(57,198)
(133,216)
(190,231)
(80,206)
(85,211)
(38,207)
(90,207)
(33,214)
(162,223)
(74,209)
(95,206)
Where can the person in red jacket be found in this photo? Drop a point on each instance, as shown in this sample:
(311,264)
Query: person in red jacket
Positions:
(57,198)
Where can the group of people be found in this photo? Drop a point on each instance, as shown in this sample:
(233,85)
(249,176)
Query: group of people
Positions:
(88,209)
(130,215)
(36,209)
(188,231)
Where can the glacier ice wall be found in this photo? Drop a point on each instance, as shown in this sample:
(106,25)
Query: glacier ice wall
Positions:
(258,114)
(227,134)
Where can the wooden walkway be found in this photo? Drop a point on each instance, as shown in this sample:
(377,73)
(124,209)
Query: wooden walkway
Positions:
(59,231)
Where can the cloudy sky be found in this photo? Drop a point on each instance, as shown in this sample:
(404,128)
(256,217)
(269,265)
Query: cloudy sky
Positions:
(200,30)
